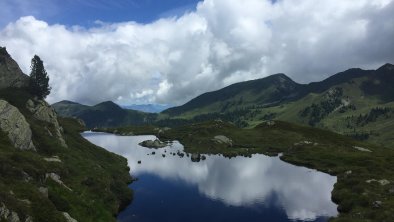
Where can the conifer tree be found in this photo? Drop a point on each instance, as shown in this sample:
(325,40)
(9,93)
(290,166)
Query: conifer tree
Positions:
(39,80)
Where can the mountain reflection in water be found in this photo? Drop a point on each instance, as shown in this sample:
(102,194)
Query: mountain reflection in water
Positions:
(259,181)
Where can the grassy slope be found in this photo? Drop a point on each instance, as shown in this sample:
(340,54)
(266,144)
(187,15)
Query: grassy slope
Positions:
(332,153)
(98,178)
(337,121)
(365,90)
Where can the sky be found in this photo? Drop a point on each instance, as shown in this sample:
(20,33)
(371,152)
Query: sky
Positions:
(168,52)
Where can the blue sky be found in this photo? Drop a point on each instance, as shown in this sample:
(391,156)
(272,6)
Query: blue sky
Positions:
(86,12)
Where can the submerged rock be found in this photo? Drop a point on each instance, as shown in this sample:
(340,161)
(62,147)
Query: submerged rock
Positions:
(196,157)
(153,144)
(14,124)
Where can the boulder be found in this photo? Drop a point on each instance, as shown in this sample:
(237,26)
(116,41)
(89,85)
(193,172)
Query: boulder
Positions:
(68,217)
(195,157)
(53,159)
(153,144)
(14,124)
(11,76)
(223,140)
(41,110)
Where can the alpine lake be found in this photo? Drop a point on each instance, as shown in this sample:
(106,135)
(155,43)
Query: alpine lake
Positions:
(173,186)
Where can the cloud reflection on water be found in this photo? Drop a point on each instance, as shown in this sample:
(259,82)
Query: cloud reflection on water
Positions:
(303,193)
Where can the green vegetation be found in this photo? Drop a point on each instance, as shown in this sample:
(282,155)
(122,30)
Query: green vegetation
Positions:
(96,179)
(362,191)
(356,102)
(334,104)
(39,80)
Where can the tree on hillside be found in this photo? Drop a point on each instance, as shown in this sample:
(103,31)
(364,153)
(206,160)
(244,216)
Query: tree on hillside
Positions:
(39,80)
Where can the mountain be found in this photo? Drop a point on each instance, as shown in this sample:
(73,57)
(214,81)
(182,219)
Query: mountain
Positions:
(356,102)
(105,114)
(147,108)
(48,171)
(261,92)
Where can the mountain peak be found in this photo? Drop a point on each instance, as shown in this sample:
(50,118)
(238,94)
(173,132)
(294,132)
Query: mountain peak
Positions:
(10,73)
(387,67)
(108,105)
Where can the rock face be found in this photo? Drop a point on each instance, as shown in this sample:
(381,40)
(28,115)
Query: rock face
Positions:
(10,73)
(41,110)
(13,123)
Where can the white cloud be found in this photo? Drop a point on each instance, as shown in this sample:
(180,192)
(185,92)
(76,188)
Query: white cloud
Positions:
(224,41)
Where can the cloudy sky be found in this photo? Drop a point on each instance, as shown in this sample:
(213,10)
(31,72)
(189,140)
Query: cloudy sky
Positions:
(145,51)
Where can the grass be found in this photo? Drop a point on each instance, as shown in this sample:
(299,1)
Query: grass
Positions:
(98,178)
(328,152)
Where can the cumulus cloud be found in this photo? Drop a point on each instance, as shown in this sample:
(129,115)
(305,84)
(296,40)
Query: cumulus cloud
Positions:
(175,59)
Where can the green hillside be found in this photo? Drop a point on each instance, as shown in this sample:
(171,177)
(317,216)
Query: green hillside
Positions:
(105,114)
(48,171)
(95,179)
(356,102)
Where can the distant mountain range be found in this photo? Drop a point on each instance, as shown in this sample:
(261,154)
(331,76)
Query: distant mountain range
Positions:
(148,108)
(356,102)
(105,114)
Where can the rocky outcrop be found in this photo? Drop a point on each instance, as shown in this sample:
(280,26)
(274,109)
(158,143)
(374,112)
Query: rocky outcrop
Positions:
(8,215)
(55,177)
(68,217)
(41,110)
(14,124)
(10,73)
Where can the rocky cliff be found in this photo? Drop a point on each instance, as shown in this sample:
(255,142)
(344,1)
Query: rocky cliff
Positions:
(10,73)
(41,110)
(14,124)
(46,185)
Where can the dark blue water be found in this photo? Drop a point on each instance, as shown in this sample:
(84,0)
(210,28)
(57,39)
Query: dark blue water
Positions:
(260,188)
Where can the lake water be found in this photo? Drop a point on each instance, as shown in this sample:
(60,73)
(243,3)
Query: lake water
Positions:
(260,188)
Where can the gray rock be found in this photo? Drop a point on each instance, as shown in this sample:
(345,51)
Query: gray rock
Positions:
(196,157)
(11,76)
(223,140)
(41,110)
(377,204)
(13,123)
(68,217)
(153,144)
(53,159)
(8,215)
(57,179)
(43,191)
(362,149)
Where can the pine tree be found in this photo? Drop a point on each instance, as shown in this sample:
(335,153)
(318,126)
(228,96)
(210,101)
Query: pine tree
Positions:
(39,80)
